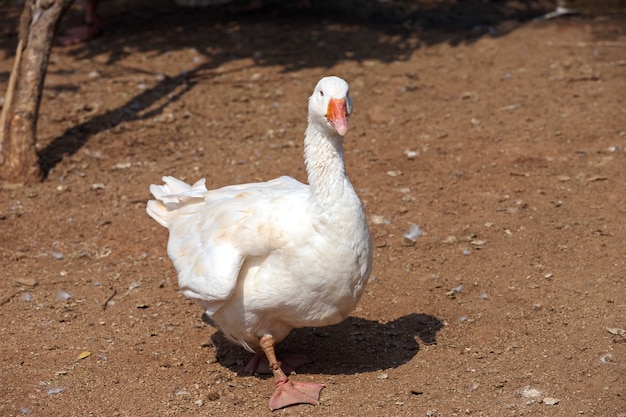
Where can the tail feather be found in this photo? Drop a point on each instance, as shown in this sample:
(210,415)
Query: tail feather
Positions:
(171,196)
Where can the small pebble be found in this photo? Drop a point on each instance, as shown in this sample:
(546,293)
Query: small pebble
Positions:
(551,401)
(55,391)
(57,255)
(383,376)
(466,252)
(31,282)
(63,296)
(378,219)
(27,297)
(530,392)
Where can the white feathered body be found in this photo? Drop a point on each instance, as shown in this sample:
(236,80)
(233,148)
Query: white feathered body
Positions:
(264,258)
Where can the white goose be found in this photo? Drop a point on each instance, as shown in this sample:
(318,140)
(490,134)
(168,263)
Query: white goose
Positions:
(264,258)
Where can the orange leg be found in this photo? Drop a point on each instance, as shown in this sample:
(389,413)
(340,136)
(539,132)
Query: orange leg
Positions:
(287,392)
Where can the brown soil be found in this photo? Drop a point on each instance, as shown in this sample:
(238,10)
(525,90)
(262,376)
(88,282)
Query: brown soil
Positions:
(511,300)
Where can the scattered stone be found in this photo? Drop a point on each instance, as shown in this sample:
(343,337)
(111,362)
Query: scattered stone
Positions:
(63,296)
(122,165)
(528,392)
(551,401)
(378,219)
(617,332)
(29,282)
(55,391)
(449,240)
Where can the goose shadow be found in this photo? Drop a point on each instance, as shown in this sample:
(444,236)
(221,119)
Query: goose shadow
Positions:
(353,346)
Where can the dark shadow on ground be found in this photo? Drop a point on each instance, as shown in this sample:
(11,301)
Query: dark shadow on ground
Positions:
(353,346)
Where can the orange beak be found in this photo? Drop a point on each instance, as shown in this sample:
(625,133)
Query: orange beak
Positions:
(337,115)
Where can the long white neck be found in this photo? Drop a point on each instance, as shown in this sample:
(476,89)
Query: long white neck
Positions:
(325,166)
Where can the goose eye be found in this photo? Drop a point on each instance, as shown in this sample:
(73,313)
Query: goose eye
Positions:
(321,93)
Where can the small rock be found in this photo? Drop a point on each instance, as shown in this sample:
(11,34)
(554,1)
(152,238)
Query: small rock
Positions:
(30,282)
(449,240)
(63,296)
(383,376)
(551,401)
(530,392)
(378,219)
(617,332)
(57,255)
(122,165)
(55,391)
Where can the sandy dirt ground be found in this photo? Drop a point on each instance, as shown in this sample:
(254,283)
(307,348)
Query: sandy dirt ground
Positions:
(502,138)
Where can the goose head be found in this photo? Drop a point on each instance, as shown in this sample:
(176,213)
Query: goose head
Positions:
(330,105)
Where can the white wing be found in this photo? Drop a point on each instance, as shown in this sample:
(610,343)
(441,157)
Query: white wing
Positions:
(213,232)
